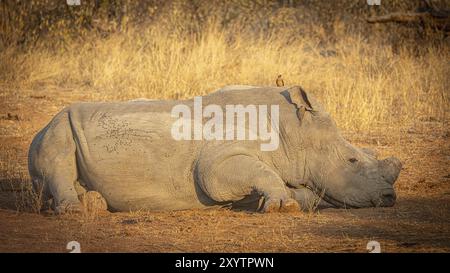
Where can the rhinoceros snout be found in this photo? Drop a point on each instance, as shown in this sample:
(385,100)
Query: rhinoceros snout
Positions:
(390,169)
(388,198)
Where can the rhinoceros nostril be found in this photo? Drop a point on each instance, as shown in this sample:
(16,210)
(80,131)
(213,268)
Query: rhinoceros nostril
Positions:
(388,196)
(388,199)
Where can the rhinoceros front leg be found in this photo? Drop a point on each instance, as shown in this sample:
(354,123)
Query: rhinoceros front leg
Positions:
(239,176)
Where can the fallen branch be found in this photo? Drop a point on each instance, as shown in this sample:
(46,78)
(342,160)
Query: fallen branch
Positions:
(439,19)
(400,17)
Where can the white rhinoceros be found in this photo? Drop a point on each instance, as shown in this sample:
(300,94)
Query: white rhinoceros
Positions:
(128,153)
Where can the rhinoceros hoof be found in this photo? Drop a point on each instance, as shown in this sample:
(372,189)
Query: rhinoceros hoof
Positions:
(69,208)
(93,201)
(289,205)
(278,205)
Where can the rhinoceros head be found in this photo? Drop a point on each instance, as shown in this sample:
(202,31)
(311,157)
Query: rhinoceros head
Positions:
(344,175)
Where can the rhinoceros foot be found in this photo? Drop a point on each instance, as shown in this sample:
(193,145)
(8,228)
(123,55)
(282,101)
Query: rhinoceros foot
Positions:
(93,201)
(283,205)
(69,208)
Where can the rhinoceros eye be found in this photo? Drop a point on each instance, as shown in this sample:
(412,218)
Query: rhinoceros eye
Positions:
(353,160)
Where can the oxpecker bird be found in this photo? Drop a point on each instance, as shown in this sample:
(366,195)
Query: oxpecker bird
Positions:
(280,81)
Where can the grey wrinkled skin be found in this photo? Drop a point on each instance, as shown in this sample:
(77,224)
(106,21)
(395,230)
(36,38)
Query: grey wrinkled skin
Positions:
(125,152)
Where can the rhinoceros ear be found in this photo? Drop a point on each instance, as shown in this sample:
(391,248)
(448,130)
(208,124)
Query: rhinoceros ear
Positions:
(298,97)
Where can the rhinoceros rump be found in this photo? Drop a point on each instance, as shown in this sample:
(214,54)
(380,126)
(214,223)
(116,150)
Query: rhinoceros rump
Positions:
(125,151)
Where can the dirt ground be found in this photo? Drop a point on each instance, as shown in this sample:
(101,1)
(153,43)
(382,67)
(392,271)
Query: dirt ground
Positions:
(419,222)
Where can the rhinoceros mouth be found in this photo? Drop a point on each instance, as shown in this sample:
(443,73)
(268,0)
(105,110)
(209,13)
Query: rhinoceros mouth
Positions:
(385,198)
(341,204)
(321,193)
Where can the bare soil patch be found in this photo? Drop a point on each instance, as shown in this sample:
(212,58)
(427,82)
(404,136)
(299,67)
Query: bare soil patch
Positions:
(419,222)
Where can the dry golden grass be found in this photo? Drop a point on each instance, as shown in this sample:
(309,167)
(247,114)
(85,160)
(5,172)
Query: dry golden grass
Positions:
(180,49)
(361,84)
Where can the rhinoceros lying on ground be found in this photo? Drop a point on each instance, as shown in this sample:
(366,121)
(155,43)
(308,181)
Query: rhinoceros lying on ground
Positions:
(128,153)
